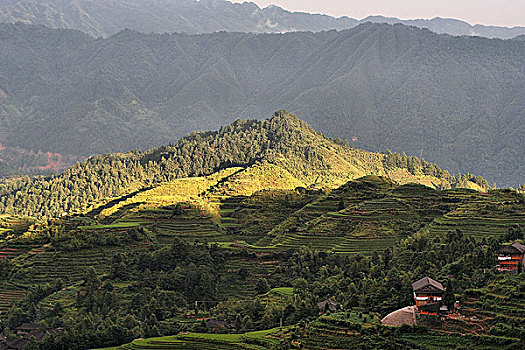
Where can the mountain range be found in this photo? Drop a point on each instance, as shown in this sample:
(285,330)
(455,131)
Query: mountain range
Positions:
(107,17)
(455,101)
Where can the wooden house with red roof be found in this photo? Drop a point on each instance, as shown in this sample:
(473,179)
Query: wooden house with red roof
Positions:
(511,256)
(428,295)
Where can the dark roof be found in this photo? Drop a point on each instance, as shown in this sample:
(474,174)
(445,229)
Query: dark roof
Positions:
(28,327)
(427,284)
(514,248)
(332,305)
(38,335)
(17,344)
(213,323)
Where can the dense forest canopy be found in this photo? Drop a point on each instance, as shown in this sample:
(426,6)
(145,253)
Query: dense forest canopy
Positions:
(455,101)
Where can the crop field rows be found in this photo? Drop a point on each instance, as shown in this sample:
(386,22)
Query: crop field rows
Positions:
(191,230)
(339,243)
(498,306)
(231,202)
(193,224)
(257,340)
(314,210)
(199,344)
(384,204)
(8,296)
(66,297)
(475,226)
(9,253)
(13,222)
(440,341)
(319,334)
(15,249)
(232,283)
(71,266)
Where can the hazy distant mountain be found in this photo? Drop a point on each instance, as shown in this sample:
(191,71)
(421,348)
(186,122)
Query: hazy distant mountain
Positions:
(107,17)
(452,27)
(457,101)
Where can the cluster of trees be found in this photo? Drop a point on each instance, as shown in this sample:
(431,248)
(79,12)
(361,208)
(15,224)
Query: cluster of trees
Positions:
(162,283)
(416,166)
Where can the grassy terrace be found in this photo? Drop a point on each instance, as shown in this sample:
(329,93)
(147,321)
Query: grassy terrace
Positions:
(110,226)
(197,341)
(282,291)
(69,266)
(440,341)
(233,285)
(8,295)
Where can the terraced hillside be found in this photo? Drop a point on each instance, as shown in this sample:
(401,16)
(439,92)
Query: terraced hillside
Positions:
(362,216)
(481,214)
(198,341)
(368,214)
(240,250)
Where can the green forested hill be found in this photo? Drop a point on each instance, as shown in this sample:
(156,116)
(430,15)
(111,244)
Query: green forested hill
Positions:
(288,145)
(456,101)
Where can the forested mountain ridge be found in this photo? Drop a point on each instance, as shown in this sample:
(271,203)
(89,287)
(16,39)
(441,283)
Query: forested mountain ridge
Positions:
(105,18)
(382,86)
(283,141)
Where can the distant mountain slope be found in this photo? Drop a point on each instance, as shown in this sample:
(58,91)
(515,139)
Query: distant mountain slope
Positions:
(107,17)
(456,101)
(452,26)
(284,147)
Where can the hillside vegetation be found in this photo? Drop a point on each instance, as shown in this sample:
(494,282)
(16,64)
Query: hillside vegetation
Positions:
(207,262)
(456,101)
(281,152)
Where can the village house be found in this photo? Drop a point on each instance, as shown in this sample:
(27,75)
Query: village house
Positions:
(428,295)
(329,304)
(25,333)
(511,256)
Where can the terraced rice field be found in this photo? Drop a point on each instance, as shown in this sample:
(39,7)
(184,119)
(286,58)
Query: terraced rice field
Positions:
(475,225)
(337,243)
(8,295)
(320,334)
(231,285)
(66,297)
(69,266)
(16,248)
(201,341)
